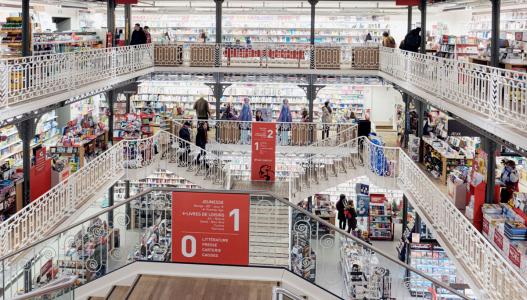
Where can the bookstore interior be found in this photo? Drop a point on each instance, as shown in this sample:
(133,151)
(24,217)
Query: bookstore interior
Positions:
(449,152)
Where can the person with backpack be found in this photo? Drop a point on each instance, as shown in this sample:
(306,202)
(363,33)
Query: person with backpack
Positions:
(412,41)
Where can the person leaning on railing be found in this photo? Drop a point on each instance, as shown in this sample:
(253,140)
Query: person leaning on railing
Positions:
(388,40)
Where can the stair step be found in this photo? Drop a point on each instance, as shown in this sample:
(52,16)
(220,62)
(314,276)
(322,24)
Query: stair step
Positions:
(118,292)
(270,251)
(269,261)
(96,298)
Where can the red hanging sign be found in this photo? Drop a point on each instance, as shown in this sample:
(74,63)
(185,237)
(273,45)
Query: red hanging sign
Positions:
(210,228)
(263,154)
(126,1)
(407,2)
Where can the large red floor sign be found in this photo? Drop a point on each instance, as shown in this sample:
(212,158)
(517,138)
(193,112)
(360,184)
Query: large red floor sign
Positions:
(263,154)
(210,228)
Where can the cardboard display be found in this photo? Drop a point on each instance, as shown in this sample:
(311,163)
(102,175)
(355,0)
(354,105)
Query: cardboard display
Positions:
(210,228)
(40,175)
(263,154)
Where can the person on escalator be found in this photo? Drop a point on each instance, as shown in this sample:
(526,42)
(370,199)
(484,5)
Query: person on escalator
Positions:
(341,206)
(184,135)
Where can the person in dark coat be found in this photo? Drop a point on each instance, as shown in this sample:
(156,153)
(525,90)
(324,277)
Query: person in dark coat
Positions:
(351,216)
(138,36)
(341,206)
(201,139)
(412,40)
(184,134)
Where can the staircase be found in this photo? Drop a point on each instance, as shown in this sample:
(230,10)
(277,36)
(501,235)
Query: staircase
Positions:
(268,232)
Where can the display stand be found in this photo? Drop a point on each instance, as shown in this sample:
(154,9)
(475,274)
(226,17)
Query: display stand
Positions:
(380,221)
(457,192)
(439,161)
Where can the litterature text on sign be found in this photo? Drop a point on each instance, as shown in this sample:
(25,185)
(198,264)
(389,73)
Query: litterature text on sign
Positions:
(210,228)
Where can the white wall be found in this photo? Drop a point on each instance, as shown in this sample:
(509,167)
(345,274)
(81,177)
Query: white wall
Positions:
(382,103)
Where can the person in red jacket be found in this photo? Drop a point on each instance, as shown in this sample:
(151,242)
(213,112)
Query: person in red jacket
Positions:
(148,36)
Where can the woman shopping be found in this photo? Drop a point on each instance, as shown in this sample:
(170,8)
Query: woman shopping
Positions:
(341,207)
(351,216)
(201,142)
(245,118)
(327,119)
(285,118)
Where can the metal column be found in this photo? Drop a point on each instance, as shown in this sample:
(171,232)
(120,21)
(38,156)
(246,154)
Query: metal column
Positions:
(219,32)
(127,23)
(495,38)
(217,90)
(26,133)
(490,145)
(313,4)
(128,207)
(110,19)
(490,148)
(423,26)
(419,107)
(26,29)
(406,132)
(111,197)
(409,19)
(405,212)
(111,97)
(128,104)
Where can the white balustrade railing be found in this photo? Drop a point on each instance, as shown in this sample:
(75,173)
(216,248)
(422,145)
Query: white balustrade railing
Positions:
(265,55)
(46,212)
(314,134)
(485,264)
(391,167)
(499,94)
(26,78)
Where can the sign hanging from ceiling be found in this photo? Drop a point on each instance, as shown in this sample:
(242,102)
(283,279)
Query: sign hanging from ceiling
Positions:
(126,1)
(407,2)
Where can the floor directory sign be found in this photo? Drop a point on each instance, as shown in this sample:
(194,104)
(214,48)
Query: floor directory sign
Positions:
(210,228)
(263,156)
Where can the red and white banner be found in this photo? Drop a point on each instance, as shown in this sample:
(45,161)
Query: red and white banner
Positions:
(210,228)
(263,154)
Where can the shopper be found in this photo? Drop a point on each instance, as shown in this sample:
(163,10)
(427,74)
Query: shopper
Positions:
(412,40)
(184,135)
(341,207)
(368,38)
(327,119)
(508,181)
(147,35)
(203,36)
(100,256)
(388,40)
(305,115)
(202,109)
(259,117)
(228,113)
(138,36)
(353,118)
(351,216)
(201,142)
(246,117)
(285,118)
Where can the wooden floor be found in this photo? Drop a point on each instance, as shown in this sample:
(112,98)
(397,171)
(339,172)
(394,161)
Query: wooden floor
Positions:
(118,292)
(185,288)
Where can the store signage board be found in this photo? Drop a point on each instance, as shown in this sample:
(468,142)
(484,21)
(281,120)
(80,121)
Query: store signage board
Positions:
(263,154)
(210,228)
(40,175)
(126,1)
